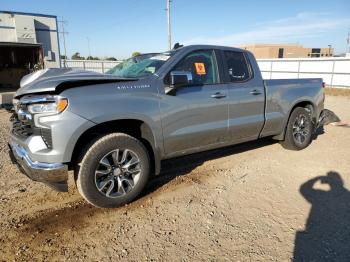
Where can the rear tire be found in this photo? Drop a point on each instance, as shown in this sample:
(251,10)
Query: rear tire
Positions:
(114,171)
(299,130)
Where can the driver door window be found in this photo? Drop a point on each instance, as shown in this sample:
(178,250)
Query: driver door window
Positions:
(203,66)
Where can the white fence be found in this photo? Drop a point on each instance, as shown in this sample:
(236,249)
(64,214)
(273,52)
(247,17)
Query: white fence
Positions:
(100,66)
(335,71)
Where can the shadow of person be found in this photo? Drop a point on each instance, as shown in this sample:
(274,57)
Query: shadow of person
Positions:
(327,231)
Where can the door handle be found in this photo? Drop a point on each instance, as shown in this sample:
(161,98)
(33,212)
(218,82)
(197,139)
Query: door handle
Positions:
(218,95)
(255,92)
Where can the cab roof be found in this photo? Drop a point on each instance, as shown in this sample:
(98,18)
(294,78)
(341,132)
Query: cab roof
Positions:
(195,47)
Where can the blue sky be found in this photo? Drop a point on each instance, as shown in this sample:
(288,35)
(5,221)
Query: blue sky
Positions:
(117,28)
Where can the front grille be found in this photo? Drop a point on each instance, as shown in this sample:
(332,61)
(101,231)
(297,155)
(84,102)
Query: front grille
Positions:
(24,129)
(20,128)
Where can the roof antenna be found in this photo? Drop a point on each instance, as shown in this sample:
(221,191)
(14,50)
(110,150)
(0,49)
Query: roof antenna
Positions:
(177,46)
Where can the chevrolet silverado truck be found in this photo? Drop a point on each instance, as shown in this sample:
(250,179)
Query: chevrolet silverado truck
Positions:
(114,129)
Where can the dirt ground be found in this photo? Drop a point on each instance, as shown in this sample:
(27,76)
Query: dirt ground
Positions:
(337,91)
(251,202)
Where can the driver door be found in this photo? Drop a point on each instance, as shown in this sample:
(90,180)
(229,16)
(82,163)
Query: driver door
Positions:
(195,116)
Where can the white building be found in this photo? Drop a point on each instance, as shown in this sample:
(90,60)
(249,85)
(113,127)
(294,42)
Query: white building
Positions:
(27,41)
(36,29)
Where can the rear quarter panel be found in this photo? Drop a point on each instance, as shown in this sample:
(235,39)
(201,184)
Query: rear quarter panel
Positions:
(283,94)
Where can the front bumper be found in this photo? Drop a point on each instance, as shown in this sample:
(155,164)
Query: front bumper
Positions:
(54,175)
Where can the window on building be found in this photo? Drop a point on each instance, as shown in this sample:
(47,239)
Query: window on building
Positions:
(237,66)
(315,52)
(280,52)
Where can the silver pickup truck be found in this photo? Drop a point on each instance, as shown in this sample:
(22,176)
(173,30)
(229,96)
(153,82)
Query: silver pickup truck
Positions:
(114,129)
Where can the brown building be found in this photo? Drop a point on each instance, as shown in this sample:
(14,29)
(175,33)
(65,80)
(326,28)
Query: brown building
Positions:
(287,51)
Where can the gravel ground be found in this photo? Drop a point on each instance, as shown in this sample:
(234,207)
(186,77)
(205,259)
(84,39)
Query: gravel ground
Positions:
(254,201)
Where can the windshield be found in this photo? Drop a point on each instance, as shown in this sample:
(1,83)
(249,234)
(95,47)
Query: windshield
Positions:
(140,66)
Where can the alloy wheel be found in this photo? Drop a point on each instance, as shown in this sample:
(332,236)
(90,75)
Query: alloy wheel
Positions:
(117,173)
(301,129)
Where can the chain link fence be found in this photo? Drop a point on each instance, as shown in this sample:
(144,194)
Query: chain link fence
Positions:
(100,66)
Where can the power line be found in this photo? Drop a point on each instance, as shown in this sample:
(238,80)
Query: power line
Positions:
(348,42)
(88,42)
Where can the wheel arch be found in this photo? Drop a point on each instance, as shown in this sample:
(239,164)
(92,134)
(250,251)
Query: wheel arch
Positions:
(133,127)
(304,103)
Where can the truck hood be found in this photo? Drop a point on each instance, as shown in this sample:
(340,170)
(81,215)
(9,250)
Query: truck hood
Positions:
(58,79)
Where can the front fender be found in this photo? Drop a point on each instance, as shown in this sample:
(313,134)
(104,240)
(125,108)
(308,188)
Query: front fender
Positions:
(104,103)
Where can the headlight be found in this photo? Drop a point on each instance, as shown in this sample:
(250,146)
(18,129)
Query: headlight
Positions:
(47,104)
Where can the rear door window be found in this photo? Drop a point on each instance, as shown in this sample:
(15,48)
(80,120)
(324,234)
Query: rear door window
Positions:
(238,69)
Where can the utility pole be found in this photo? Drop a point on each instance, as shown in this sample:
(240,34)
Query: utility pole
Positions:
(64,33)
(169,25)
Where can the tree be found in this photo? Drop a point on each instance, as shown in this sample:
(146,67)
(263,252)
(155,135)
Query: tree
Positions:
(92,58)
(111,59)
(63,57)
(76,56)
(135,54)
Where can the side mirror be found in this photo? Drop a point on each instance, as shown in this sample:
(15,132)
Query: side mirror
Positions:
(180,78)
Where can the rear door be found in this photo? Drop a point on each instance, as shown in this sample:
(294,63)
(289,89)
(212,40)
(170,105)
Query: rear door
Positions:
(246,93)
(196,116)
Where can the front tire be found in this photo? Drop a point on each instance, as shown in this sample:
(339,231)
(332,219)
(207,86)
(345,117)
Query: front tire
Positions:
(299,130)
(114,170)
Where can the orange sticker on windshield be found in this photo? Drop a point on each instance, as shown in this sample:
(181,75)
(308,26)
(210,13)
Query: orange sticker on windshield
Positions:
(200,68)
